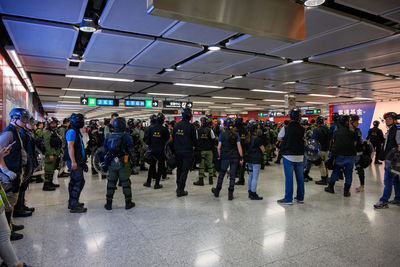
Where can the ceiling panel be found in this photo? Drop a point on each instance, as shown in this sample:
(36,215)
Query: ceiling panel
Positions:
(130,87)
(196,33)
(45,70)
(89,84)
(44,62)
(138,70)
(247,83)
(51,98)
(114,47)
(333,40)
(364,55)
(378,85)
(131,16)
(179,74)
(250,65)
(347,78)
(213,60)
(395,15)
(99,67)
(50,80)
(295,71)
(244,94)
(38,38)
(371,6)
(254,44)
(69,11)
(173,89)
(393,69)
(164,54)
(210,77)
(49,91)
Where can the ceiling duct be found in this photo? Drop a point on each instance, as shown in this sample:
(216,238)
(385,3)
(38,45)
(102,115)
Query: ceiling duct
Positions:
(281,20)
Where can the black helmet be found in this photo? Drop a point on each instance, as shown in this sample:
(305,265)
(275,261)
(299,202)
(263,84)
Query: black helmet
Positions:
(294,114)
(335,116)
(238,122)
(268,123)
(131,122)
(136,122)
(343,119)
(354,117)
(65,120)
(376,123)
(228,122)
(390,115)
(252,125)
(153,119)
(186,114)
(196,124)
(160,118)
(19,114)
(320,120)
(52,120)
(304,122)
(204,121)
(77,120)
(119,124)
(93,123)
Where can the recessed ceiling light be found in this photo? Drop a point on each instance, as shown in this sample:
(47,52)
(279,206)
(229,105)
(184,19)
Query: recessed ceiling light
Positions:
(288,83)
(198,85)
(333,87)
(166,94)
(237,77)
(277,105)
(87,25)
(87,90)
(273,100)
(99,78)
(268,91)
(214,48)
(206,103)
(355,71)
(320,95)
(311,3)
(69,102)
(67,96)
(227,97)
(243,104)
(297,61)
(363,98)
(169,69)
(219,107)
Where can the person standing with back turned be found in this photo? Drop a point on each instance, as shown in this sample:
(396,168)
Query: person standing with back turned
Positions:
(184,138)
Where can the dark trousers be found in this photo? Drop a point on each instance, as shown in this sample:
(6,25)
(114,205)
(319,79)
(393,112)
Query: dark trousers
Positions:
(76,185)
(184,163)
(241,170)
(232,163)
(377,148)
(21,196)
(153,171)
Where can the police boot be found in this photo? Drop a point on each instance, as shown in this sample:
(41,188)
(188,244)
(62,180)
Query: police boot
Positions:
(230,194)
(143,168)
(94,172)
(16,236)
(54,185)
(254,196)
(267,163)
(108,205)
(330,188)
(47,187)
(323,181)
(104,176)
(307,177)
(240,182)
(129,204)
(134,171)
(200,182)
(20,212)
(210,180)
(39,179)
(215,191)
(346,191)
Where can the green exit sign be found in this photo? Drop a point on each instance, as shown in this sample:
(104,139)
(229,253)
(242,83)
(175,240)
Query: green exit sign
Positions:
(91,101)
(149,103)
(262,114)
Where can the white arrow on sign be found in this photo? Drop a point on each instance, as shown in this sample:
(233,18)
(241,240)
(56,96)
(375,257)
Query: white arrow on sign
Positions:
(155,103)
(84,101)
(189,105)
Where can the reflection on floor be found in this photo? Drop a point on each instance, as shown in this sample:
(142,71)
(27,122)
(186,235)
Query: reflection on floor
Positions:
(200,230)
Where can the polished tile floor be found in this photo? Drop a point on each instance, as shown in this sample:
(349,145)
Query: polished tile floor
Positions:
(200,230)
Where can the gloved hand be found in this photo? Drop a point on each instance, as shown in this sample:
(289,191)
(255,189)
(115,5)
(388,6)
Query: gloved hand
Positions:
(104,167)
(12,175)
(85,167)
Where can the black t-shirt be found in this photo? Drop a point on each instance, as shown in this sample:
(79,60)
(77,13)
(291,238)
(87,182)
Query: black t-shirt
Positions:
(229,150)
(255,153)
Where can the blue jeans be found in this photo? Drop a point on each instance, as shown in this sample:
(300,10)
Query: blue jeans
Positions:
(288,168)
(348,163)
(390,180)
(254,170)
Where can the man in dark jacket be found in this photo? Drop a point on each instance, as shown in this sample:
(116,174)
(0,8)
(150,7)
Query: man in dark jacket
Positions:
(392,141)
(321,134)
(292,149)
(184,138)
(344,151)
(375,136)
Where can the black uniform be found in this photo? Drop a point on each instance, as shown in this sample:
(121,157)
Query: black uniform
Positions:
(184,137)
(242,132)
(375,136)
(156,136)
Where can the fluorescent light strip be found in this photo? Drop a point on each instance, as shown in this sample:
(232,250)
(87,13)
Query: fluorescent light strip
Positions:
(219,107)
(277,105)
(15,58)
(268,91)
(164,94)
(316,103)
(285,83)
(87,90)
(363,98)
(321,95)
(214,48)
(68,102)
(207,103)
(273,100)
(355,71)
(297,61)
(99,78)
(198,85)
(243,104)
(67,96)
(227,97)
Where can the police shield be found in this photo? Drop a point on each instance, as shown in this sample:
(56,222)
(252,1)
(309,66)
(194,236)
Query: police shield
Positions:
(98,160)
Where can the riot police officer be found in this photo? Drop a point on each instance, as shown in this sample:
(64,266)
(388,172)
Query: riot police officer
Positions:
(109,126)
(61,131)
(205,141)
(184,138)
(156,136)
(74,155)
(242,132)
(118,151)
(354,122)
(321,134)
(375,136)
(53,145)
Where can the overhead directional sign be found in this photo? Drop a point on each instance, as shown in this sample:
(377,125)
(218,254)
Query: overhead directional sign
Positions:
(262,114)
(141,103)
(170,112)
(313,111)
(177,104)
(91,101)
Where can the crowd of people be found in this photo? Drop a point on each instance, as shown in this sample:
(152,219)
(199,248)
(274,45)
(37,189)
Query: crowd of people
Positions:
(119,148)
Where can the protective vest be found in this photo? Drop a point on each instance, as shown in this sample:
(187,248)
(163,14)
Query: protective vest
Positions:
(184,137)
(205,141)
(229,150)
(156,137)
(77,148)
(14,159)
(55,140)
(293,141)
(375,135)
(116,144)
(344,142)
(323,137)
(390,142)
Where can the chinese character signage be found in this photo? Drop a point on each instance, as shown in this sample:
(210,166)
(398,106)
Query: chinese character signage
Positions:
(177,104)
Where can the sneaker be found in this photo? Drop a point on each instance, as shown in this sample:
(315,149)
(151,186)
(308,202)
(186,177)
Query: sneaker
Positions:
(284,202)
(381,205)
(299,201)
(360,189)
(78,209)
(394,202)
